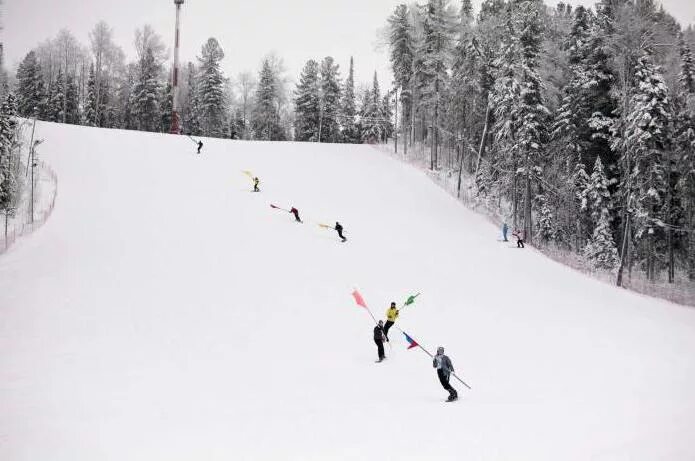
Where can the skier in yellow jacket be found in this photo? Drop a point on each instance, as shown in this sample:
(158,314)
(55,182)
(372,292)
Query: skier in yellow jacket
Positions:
(391,316)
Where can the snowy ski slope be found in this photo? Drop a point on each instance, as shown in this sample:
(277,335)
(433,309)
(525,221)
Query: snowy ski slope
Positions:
(164,312)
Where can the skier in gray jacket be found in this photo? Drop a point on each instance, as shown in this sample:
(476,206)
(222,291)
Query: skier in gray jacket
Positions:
(444,369)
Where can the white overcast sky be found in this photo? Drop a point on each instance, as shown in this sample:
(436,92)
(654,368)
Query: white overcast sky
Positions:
(296,30)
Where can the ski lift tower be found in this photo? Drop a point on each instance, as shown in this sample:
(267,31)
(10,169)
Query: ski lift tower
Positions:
(175,119)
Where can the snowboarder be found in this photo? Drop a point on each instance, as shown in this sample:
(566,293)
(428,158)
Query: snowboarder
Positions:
(339,229)
(505,229)
(391,316)
(295,212)
(200,146)
(379,339)
(520,237)
(255,184)
(444,369)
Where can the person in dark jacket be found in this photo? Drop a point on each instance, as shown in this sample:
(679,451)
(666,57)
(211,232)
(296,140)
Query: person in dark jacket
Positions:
(200,146)
(444,369)
(379,339)
(520,237)
(255,185)
(339,229)
(505,229)
(295,212)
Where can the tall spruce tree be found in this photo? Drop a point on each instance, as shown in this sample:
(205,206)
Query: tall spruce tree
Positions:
(433,69)
(402,58)
(646,141)
(31,92)
(371,114)
(146,93)
(349,108)
(307,104)
(191,106)
(211,96)
(266,115)
(329,85)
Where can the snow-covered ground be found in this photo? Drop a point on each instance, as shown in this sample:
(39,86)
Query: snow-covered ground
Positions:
(165,312)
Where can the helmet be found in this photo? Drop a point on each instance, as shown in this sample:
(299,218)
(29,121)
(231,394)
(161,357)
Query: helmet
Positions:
(440,350)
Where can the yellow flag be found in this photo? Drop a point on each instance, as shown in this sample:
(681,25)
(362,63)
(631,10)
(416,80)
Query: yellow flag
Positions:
(248,173)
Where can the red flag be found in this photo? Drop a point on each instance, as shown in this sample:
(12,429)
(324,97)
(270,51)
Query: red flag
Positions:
(411,342)
(358,299)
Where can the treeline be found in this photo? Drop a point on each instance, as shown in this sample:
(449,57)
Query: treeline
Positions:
(578,124)
(64,81)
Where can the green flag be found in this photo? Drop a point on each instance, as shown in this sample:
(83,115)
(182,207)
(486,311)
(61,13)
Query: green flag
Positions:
(410,300)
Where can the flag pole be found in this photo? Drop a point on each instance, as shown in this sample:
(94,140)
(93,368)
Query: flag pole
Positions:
(432,356)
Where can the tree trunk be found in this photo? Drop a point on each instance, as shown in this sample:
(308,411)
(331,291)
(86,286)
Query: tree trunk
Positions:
(461,156)
(482,140)
(623,252)
(528,224)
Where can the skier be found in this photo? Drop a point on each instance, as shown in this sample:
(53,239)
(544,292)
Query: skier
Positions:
(444,369)
(295,212)
(379,339)
(391,316)
(505,229)
(200,145)
(339,228)
(255,184)
(520,237)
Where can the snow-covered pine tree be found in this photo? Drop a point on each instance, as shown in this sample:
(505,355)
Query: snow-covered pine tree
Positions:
(371,116)
(329,85)
(402,45)
(72,103)
(686,77)
(646,141)
(190,109)
(166,104)
(601,251)
(534,115)
(56,99)
(435,47)
(465,93)
(546,226)
(387,114)
(596,196)
(349,109)
(306,104)
(31,93)
(9,184)
(211,96)
(90,111)
(146,92)
(266,115)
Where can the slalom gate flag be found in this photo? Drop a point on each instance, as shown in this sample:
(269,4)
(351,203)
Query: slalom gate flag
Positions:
(359,299)
(248,173)
(276,207)
(411,342)
(325,226)
(410,300)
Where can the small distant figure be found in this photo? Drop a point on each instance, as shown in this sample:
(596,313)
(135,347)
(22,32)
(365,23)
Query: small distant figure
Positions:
(444,369)
(295,212)
(520,237)
(200,146)
(339,229)
(391,316)
(379,340)
(256,181)
(505,229)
